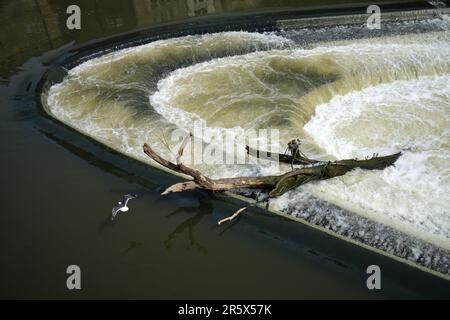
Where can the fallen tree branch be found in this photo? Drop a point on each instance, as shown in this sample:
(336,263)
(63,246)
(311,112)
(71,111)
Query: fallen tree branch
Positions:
(316,170)
(234,215)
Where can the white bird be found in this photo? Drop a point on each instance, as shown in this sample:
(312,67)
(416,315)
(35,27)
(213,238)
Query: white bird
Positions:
(122,205)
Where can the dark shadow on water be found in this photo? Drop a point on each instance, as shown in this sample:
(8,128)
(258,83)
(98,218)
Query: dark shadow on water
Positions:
(133,245)
(93,152)
(205,207)
(107,223)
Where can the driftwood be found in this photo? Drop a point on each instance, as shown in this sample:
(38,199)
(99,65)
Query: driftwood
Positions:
(312,170)
(234,215)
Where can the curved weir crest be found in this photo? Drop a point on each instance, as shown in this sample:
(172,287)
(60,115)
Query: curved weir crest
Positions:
(344,98)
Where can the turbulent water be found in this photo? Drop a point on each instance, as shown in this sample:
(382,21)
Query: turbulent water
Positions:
(343,98)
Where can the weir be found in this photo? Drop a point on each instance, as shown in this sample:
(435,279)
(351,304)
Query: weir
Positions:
(344,93)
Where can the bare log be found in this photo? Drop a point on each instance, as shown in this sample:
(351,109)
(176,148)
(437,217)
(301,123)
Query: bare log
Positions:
(316,170)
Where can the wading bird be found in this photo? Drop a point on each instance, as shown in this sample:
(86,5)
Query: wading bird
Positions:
(294,148)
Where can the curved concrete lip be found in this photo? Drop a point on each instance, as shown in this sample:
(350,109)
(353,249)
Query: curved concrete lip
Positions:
(56,75)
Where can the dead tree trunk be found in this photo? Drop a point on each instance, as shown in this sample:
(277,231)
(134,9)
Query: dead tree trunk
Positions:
(316,170)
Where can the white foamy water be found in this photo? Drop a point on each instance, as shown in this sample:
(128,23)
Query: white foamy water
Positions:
(412,116)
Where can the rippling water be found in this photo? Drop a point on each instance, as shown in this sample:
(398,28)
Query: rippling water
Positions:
(344,98)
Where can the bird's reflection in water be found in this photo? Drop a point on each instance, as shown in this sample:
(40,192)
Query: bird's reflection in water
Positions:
(205,207)
(107,223)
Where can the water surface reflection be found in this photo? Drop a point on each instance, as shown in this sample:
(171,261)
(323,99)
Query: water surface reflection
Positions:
(40,25)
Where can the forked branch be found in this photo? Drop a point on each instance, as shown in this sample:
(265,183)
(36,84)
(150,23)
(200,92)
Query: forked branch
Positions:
(316,170)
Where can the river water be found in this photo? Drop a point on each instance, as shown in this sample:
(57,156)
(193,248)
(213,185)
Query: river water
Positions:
(344,92)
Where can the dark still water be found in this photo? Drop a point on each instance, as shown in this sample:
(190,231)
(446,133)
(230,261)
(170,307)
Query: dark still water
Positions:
(58,186)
